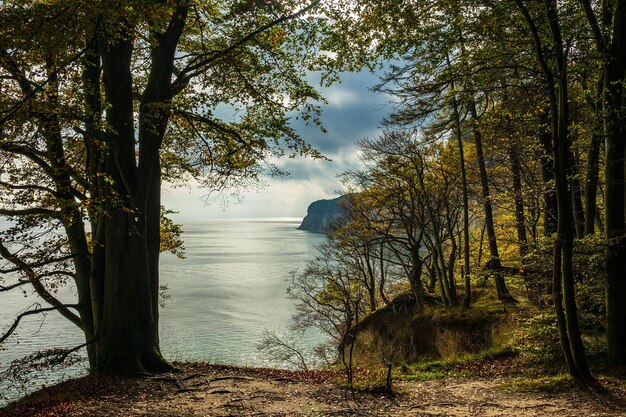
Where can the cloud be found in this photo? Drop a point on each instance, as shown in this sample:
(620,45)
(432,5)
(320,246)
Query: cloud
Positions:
(353,112)
(341,98)
(279,198)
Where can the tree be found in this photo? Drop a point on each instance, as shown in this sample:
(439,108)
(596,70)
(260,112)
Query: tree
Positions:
(329,296)
(101,102)
(555,71)
(462,50)
(389,186)
(607,24)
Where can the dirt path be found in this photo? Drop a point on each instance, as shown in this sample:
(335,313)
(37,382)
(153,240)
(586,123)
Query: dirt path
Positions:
(225,391)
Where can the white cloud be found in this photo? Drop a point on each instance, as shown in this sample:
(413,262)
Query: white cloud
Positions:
(279,198)
(339,97)
(353,112)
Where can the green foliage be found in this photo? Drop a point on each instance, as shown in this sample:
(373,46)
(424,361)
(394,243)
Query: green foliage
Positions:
(171,235)
(100,103)
(588,261)
(539,339)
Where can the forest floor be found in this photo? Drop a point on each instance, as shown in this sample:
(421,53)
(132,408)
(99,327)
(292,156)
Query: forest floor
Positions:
(214,390)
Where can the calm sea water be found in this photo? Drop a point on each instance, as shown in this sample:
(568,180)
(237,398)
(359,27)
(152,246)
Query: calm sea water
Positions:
(224,294)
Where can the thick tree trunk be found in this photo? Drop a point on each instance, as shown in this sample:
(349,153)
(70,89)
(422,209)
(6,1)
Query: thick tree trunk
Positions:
(127,341)
(615,133)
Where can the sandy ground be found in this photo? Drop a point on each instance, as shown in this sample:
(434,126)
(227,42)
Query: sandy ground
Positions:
(203,390)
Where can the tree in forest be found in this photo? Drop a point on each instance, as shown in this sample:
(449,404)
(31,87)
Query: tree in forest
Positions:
(101,102)
(551,54)
(409,185)
(330,297)
(359,242)
(607,25)
(389,187)
(461,56)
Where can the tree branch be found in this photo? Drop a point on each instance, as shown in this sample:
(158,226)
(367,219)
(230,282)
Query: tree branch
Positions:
(30,153)
(34,211)
(52,192)
(214,124)
(33,278)
(186,74)
(30,313)
(40,264)
(594,25)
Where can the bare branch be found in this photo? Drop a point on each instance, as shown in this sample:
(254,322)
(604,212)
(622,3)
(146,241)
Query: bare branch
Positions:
(30,153)
(30,313)
(282,350)
(33,277)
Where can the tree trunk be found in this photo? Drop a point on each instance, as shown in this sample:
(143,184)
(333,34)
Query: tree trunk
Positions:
(615,133)
(578,211)
(153,241)
(547,175)
(127,341)
(383,275)
(494,261)
(563,270)
(467,300)
(591,179)
(520,218)
(415,278)
(610,36)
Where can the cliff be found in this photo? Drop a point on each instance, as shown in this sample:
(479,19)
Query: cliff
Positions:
(320,214)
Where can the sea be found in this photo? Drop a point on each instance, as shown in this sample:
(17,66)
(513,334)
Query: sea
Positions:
(220,299)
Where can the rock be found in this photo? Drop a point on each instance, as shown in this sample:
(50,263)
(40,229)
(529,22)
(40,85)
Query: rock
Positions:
(321,213)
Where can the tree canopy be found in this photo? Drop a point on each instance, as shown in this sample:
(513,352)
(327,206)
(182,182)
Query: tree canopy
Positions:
(100,103)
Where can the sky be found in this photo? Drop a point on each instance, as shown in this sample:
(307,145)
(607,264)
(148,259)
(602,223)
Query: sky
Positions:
(353,112)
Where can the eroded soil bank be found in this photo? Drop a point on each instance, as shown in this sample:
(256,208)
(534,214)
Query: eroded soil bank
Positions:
(209,390)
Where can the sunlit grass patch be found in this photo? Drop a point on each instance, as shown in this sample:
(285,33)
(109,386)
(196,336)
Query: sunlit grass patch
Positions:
(421,376)
(451,363)
(553,383)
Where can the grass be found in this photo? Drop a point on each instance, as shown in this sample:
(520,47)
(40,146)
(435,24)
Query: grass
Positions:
(555,383)
(450,363)
(421,376)
(485,308)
